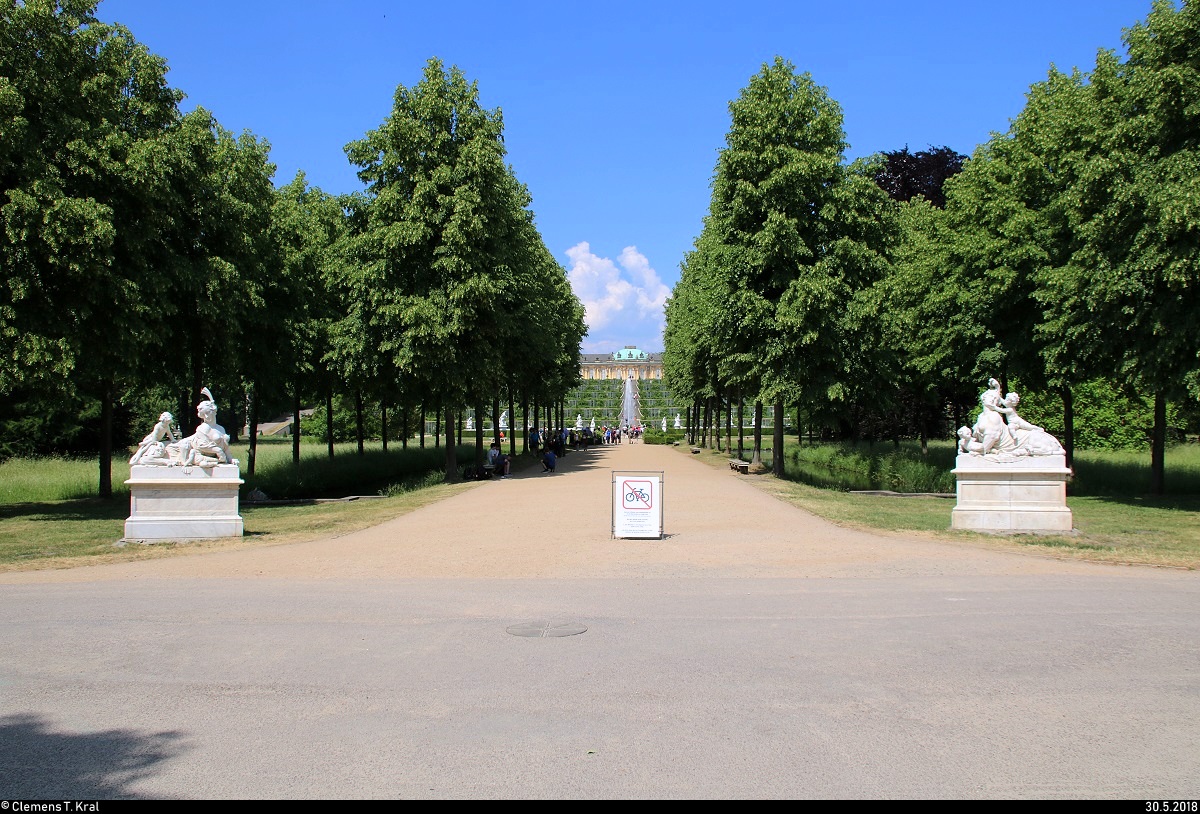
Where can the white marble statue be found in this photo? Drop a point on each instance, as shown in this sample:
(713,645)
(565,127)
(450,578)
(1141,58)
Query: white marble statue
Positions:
(209,444)
(206,447)
(470,423)
(664,424)
(678,423)
(578,421)
(1029,438)
(504,420)
(593,427)
(1000,431)
(153,449)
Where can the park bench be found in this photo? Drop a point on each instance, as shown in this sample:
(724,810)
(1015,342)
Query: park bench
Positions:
(695,450)
(739,466)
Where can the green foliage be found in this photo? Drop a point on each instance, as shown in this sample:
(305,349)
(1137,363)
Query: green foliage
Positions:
(449,279)
(349,474)
(659,437)
(775,302)
(1106,417)
(848,466)
(84,117)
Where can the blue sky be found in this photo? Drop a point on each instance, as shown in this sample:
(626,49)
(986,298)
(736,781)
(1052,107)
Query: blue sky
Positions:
(614,112)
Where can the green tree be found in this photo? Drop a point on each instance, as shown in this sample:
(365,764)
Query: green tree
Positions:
(1132,286)
(438,263)
(805,236)
(85,215)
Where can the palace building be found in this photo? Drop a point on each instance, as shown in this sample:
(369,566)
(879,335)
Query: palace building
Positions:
(629,362)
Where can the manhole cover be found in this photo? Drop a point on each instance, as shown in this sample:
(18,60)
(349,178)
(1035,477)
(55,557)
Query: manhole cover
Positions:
(546,630)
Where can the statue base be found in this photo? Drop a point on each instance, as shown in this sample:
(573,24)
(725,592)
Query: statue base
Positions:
(1013,495)
(183,503)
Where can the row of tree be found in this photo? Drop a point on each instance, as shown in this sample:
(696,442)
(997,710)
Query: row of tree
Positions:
(886,290)
(147,253)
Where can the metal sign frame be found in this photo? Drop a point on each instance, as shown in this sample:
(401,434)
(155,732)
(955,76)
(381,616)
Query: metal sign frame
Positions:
(652,499)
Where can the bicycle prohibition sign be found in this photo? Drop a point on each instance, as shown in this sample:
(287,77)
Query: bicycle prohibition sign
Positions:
(637,501)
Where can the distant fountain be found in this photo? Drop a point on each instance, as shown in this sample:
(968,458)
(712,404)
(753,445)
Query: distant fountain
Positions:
(631,405)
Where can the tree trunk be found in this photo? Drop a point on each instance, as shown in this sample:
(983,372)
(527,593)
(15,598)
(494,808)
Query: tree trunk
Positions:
(741,423)
(329,420)
(383,424)
(777,441)
(729,428)
(714,415)
(181,414)
(524,423)
(423,414)
(106,440)
(296,423)
(512,419)
(1068,400)
(461,422)
(478,434)
(496,419)
(197,341)
(437,429)
(253,430)
(451,455)
(1158,447)
(358,419)
(756,455)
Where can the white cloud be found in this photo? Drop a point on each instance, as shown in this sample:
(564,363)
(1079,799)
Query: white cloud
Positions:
(624,299)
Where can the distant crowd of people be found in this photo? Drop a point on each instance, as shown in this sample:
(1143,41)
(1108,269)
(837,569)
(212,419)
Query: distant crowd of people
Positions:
(550,445)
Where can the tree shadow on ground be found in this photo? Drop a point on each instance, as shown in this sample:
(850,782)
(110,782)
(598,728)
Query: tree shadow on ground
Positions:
(90,509)
(37,762)
(1183,503)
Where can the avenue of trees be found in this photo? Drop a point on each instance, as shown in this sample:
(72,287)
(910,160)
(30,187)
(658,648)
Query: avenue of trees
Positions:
(146,253)
(876,297)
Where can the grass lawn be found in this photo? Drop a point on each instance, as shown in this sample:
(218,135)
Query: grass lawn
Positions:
(1109,528)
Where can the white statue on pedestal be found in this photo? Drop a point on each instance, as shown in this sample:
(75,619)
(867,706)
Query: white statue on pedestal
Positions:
(470,423)
(664,424)
(504,420)
(593,424)
(678,423)
(1011,476)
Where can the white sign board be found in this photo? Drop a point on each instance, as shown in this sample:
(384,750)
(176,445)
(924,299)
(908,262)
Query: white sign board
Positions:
(637,504)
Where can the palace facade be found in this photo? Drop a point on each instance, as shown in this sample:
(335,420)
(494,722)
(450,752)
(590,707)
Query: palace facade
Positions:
(628,362)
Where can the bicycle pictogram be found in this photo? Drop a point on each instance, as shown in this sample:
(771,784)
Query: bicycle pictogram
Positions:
(637,495)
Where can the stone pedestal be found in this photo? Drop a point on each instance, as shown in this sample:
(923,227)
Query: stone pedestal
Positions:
(1018,494)
(183,503)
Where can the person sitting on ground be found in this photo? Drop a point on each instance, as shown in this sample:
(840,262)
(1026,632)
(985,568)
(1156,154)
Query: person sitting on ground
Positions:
(549,460)
(498,459)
